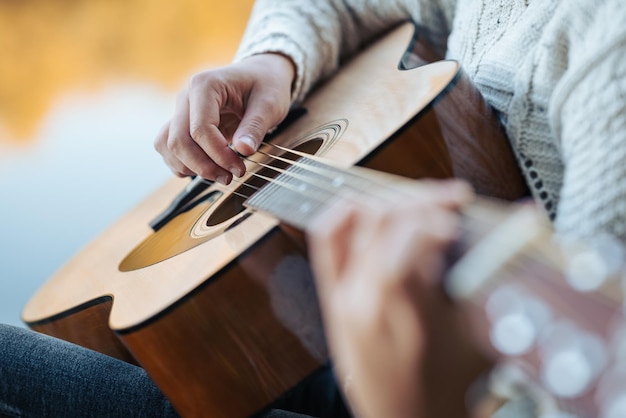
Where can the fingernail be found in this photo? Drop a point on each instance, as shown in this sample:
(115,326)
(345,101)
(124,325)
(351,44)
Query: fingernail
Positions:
(237,172)
(223,180)
(248,141)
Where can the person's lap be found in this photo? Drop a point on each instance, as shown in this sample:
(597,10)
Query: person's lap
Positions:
(45,376)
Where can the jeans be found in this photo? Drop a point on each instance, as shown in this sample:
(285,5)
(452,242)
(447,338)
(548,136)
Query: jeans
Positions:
(41,376)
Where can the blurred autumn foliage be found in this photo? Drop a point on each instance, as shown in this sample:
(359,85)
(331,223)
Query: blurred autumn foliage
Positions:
(51,46)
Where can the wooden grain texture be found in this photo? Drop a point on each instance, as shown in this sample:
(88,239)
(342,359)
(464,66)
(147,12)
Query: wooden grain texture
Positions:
(87,326)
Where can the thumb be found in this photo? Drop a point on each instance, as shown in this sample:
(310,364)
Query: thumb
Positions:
(261,115)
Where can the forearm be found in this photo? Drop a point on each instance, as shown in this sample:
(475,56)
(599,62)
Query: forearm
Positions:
(318,35)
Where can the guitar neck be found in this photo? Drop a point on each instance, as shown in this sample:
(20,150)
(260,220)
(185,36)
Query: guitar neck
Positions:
(310,184)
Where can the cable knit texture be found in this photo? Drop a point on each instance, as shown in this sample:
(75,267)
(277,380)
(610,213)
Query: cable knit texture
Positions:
(554,70)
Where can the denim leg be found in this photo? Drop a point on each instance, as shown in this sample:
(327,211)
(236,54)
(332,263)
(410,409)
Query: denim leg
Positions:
(41,376)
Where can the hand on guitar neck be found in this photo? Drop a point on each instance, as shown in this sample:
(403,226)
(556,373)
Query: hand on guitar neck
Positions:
(401,348)
(410,332)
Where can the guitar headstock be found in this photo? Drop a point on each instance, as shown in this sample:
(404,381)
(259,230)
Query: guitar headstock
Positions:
(549,311)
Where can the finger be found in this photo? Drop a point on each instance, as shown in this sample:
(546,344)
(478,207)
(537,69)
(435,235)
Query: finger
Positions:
(207,99)
(160,145)
(263,112)
(454,193)
(451,193)
(402,239)
(187,151)
(329,238)
(371,219)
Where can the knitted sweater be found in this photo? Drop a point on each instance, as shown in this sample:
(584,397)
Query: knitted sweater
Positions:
(554,70)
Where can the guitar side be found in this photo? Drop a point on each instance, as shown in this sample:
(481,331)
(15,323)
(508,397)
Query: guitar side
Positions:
(227,326)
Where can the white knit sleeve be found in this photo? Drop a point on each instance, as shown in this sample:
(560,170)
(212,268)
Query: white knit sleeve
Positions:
(316,35)
(590,120)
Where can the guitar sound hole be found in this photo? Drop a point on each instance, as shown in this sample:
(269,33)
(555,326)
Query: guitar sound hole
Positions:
(233,204)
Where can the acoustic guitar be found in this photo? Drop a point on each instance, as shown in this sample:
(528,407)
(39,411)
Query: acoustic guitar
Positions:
(214,298)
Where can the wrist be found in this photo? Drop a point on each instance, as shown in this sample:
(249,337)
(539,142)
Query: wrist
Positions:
(279,65)
(285,65)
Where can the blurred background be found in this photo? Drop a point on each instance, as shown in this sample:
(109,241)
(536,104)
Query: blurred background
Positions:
(84,87)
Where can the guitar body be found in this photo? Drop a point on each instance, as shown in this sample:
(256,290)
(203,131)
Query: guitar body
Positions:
(219,305)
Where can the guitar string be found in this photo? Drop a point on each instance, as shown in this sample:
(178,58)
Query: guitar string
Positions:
(319,184)
(322,171)
(279,170)
(328,173)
